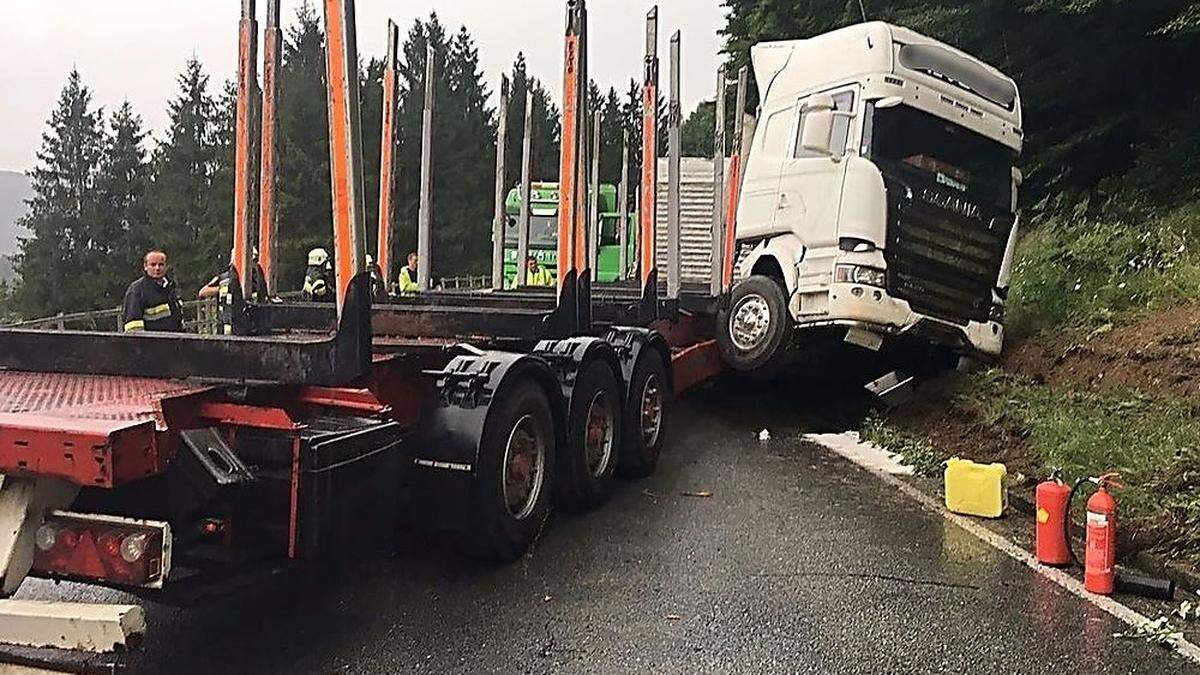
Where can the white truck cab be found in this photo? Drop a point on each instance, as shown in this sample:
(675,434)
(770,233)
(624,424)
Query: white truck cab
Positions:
(879,195)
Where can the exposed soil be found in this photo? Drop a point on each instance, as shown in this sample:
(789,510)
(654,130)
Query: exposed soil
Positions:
(955,431)
(1158,356)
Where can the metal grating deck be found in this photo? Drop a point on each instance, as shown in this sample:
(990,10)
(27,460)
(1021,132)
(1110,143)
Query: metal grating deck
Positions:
(91,397)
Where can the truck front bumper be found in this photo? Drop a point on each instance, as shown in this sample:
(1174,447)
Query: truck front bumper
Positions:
(872,308)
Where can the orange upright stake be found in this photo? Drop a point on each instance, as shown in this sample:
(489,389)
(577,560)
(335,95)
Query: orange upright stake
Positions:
(387,153)
(268,205)
(568,188)
(649,210)
(247,82)
(345,146)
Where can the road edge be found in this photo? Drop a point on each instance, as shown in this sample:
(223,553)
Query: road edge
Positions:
(878,463)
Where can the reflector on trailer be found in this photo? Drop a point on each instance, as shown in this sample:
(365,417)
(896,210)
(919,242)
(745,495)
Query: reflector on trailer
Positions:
(111,549)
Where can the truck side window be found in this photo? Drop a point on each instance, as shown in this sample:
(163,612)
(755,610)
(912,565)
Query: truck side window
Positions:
(843,101)
(775,138)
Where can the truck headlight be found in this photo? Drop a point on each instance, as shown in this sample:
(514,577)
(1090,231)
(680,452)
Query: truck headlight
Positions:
(860,274)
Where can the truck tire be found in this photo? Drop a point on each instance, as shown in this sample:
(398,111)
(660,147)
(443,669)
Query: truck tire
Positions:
(511,493)
(645,416)
(589,460)
(755,325)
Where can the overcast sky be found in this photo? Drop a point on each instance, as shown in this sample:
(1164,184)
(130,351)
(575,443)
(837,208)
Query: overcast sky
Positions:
(135,49)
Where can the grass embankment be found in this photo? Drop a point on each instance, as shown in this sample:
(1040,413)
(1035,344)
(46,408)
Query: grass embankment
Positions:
(1089,299)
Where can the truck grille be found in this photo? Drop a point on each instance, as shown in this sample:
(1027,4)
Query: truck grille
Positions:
(944,254)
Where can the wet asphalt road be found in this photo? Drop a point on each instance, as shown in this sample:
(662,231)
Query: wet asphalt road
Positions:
(797,563)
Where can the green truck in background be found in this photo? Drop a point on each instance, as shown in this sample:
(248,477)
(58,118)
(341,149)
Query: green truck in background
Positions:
(543,232)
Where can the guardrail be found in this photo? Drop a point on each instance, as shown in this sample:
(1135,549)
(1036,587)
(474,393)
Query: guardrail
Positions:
(199,316)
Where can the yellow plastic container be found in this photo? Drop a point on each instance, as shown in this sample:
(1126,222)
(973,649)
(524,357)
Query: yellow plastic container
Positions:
(976,489)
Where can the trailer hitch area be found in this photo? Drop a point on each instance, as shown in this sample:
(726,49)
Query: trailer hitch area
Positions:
(464,382)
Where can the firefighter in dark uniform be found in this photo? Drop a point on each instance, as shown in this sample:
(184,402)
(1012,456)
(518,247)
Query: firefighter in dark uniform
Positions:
(223,288)
(152,302)
(317,279)
(379,291)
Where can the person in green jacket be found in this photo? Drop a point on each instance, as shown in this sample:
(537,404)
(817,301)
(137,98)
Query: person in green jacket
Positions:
(536,275)
(407,283)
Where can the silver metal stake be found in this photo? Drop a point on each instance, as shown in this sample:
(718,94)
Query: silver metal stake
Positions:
(499,215)
(425,216)
(593,243)
(675,146)
(526,181)
(718,221)
(623,211)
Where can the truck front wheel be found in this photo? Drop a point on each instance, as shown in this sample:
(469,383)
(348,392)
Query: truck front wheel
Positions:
(755,324)
(513,481)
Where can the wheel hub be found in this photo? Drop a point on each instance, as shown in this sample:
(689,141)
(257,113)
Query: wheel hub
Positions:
(750,322)
(598,434)
(651,409)
(524,467)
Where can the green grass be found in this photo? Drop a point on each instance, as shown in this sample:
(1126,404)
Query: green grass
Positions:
(1087,434)
(1153,443)
(1086,273)
(910,448)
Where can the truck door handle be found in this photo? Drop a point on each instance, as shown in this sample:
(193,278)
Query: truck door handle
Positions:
(783,200)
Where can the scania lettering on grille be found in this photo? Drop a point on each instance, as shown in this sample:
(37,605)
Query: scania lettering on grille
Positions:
(951,203)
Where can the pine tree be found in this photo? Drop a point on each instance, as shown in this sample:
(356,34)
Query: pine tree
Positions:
(124,222)
(187,221)
(305,207)
(698,129)
(464,143)
(465,161)
(546,127)
(64,209)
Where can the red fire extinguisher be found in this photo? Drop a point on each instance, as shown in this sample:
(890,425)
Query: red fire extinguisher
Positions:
(1053,498)
(1101,551)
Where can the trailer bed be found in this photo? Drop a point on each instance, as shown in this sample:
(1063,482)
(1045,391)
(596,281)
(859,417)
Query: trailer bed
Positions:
(92,430)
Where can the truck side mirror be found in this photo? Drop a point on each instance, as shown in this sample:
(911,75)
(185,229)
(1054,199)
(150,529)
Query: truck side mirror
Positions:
(817,133)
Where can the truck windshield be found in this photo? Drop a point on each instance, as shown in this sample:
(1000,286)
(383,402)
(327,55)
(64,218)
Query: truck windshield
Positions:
(543,231)
(951,155)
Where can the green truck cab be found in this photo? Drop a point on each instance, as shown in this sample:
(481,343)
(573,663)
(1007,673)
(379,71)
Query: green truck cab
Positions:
(543,232)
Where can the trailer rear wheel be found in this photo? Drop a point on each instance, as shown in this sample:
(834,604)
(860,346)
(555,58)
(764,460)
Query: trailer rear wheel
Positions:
(645,416)
(594,438)
(511,493)
(755,324)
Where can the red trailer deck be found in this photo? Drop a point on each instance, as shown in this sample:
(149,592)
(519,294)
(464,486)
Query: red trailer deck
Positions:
(91,430)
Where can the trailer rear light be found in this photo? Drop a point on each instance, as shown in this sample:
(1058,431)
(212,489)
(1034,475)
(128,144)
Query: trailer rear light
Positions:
(103,548)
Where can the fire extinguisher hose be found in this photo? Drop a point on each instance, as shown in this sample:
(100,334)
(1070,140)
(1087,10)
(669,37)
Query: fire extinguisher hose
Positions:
(1067,518)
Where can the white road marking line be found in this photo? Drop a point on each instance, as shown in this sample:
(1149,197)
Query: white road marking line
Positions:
(849,445)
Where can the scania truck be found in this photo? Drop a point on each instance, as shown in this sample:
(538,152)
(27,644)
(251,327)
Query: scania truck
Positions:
(879,197)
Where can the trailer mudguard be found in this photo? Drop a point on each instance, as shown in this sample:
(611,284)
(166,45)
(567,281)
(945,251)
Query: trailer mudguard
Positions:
(452,425)
(629,343)
(567,358)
